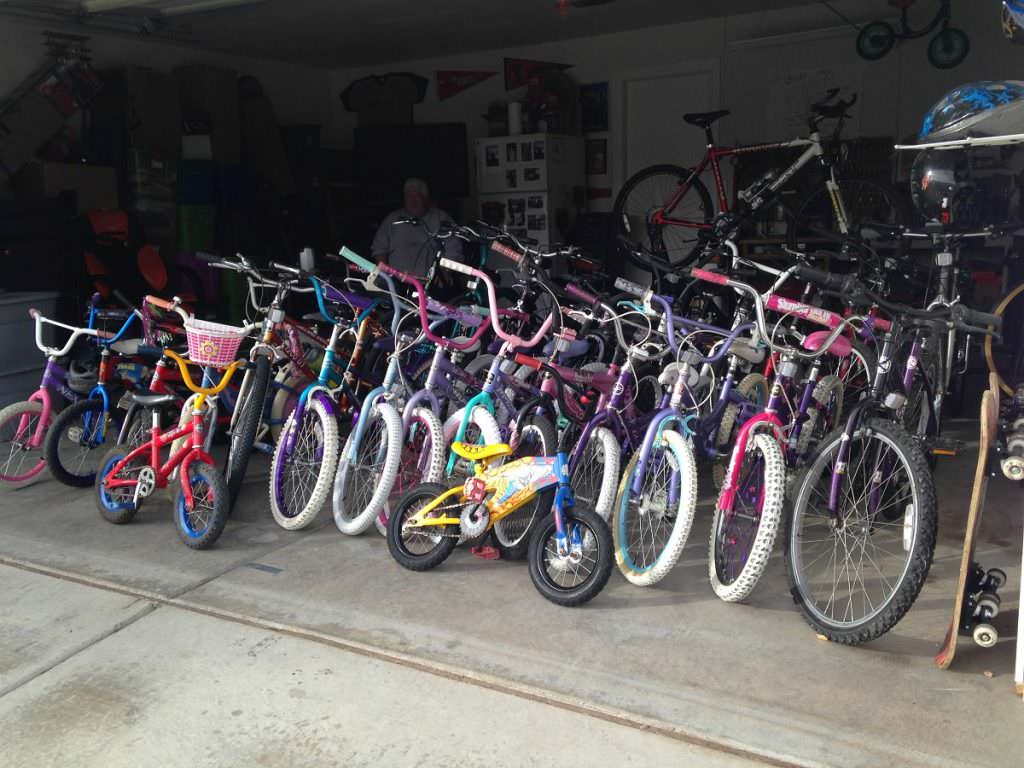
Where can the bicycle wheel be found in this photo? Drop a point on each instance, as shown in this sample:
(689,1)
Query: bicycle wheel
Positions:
(537,437)
(855,580)
(200,527)
(251,404)
(1007,360)
(651,189)
(420,549)
(823,415)
(367,471)
(300,480)
(117,505)
(867,204)
(481,430)
(571,579)
(741,540)
(596,477)
(75,441)
(754,387)
(650,531)
(21,456)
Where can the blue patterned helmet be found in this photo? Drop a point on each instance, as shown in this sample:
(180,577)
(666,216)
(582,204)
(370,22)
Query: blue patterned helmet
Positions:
(986,108)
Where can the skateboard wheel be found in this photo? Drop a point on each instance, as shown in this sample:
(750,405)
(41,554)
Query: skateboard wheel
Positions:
(988,606)
(996,577)
(985,635)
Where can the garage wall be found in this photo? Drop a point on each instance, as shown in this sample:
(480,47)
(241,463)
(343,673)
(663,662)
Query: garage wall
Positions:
(761,61)
(299,94)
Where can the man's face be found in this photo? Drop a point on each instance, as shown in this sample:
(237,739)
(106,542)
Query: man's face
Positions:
(415,202)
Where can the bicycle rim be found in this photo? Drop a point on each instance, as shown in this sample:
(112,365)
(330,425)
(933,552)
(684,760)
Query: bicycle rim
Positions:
(645,524)
(848,574)
(302,468)
(736,530)
(20,458)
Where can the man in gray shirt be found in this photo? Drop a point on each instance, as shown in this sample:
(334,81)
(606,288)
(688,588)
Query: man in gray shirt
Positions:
(408,247)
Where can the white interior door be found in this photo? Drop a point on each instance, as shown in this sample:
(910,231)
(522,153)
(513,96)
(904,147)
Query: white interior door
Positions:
(654,109)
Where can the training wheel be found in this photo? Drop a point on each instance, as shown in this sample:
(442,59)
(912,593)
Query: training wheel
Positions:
(985,635)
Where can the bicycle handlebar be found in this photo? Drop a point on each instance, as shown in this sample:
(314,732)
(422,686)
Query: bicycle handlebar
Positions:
(512,339)
(580,294)
(628,286)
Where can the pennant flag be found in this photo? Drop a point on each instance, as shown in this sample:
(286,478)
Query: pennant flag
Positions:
(519,71)
(453,81)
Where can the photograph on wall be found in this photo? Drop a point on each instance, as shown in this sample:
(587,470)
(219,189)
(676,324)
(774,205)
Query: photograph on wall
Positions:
(537,222)
(531,174)
(597,156)
(538,149)
(594,107)
(510,152)
(526,151)
(535,201)
(491,157)
(510,178)
(516,208)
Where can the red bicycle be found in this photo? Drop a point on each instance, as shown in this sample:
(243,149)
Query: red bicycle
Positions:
(668,210)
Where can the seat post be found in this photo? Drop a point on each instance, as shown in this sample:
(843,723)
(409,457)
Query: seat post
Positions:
(710,136)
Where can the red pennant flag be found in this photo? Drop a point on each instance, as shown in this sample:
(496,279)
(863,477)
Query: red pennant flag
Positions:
(453,81)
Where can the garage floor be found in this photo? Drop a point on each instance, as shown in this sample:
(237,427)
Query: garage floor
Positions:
(118,646)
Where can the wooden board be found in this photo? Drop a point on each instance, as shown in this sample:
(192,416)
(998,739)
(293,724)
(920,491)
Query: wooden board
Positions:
(989,421)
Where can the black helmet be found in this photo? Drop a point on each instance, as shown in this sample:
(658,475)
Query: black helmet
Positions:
(941,186)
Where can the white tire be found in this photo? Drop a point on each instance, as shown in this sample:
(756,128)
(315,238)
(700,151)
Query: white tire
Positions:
(482,419)
(363,481)
(734,588)
(752,386)
(827,392)
(651,511)
(602,454)
(295,513)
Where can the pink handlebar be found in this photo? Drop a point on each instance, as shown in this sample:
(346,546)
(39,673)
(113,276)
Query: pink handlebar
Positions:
(817,315)
(710,277)
(509,253)
(514,341)
(421,298)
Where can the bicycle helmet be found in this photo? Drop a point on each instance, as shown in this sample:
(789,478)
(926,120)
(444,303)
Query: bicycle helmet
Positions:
(82,376)
(985,108)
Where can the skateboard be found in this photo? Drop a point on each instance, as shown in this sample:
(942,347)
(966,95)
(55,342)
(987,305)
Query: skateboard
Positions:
(977,599)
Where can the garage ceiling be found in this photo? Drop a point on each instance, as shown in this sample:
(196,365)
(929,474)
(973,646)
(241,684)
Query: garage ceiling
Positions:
(341,33)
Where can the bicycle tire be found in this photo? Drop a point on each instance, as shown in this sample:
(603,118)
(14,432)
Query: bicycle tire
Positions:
(353,510)
(205,535)
(67,472)
(686,249)
(922,547)
(27,413)
(599,539)
(115,509)
(748,385)
(1000,309)
(827,396)
(602,450)
(646,574)
(513,532)
(243,436)
(287,514)
(735,588)
(443,544)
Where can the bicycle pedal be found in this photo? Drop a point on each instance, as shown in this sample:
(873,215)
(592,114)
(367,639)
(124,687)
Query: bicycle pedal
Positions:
(944,446)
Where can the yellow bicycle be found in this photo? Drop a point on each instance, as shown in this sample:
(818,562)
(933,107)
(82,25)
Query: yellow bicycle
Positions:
(570,551)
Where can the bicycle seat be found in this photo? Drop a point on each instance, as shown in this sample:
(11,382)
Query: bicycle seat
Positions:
(704,119)
(148,399)
(746,350)
(465,340)
(481,452)
(841,347)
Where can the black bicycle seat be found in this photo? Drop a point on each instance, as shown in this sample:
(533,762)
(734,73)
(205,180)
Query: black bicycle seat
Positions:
(704,119)
(148,399)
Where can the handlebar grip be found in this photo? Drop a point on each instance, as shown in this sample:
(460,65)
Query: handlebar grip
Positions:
(628,286)
(980,319)
(882,324)
(819,277)
(209,258)
(34,313)
(158,302)
(709,277)
(364,264)
(578,293)
(456,266)
(529,362)
(95,299)
(508,252)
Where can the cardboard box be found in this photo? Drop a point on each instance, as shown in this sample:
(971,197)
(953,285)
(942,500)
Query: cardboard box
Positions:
(95,186)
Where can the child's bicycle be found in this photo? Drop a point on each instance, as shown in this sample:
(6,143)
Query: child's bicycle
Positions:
(570,550)
(129,475)
(24,425)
